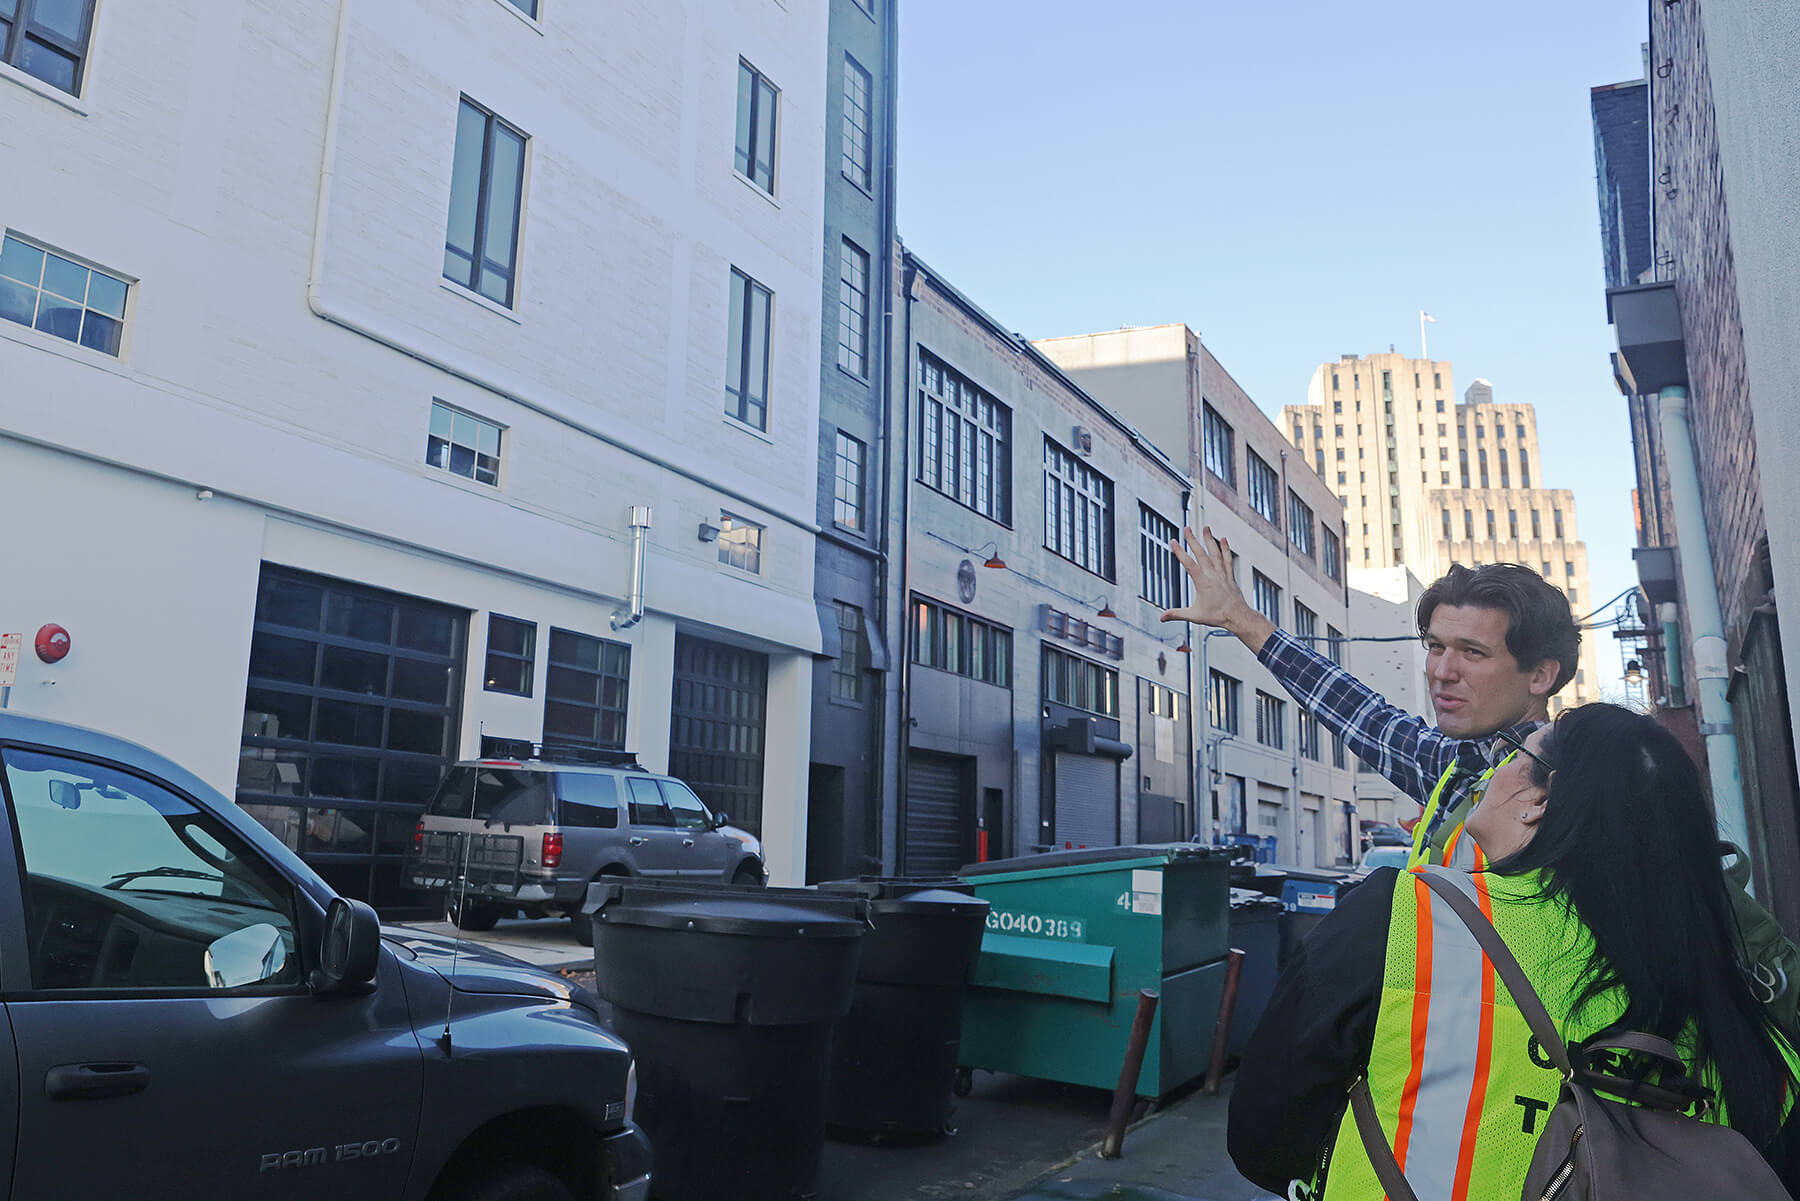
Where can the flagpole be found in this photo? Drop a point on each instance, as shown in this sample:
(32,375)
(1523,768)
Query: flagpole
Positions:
(1423,352)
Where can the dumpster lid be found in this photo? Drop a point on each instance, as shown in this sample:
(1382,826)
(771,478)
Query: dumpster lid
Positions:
(716,909)
(935,902)
(1249,898)
(888,888)
(1157,852)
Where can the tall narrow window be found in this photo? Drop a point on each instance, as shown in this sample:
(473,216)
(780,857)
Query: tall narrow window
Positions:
(846,673)
(757,102)
(59,296)
(1271,716)
(964,440)
(47,39)
(1265,488)
(853,309)
(1331,553)
(1265,594)
(486,185)
(1222,701)
(1161,580)
(1524,469)
(747,352)
(585,688)
(1300,524)
(847,507)
(511,655)
(1216,436)
(857,90)
(1078,511)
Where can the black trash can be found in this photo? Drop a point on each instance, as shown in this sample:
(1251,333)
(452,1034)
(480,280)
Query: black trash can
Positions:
(893,1059)
(1256,931)
(726,997)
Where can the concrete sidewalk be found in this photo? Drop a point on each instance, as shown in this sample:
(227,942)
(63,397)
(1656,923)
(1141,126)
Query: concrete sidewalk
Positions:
(1177,1153)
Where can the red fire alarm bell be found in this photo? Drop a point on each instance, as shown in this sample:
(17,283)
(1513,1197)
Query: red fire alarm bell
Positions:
(52,643)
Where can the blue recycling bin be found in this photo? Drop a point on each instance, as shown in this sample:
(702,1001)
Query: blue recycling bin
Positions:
(1307,896)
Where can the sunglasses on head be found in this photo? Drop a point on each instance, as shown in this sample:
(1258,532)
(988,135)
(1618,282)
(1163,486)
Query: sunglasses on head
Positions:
(1507,738)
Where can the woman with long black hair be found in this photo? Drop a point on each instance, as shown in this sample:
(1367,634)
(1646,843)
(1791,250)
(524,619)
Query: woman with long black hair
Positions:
(1605,882)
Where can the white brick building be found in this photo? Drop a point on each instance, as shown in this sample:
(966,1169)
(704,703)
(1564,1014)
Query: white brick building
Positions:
(294,197)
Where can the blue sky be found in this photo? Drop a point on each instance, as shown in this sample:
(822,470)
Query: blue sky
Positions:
(1296,182)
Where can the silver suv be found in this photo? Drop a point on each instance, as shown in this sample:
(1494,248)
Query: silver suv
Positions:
(528,835)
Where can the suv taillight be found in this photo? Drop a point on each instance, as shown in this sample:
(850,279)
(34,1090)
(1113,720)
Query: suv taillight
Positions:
(553,849)
(419,835)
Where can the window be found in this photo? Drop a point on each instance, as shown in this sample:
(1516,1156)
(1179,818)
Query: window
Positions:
(463,444)
(1080,683)
(1537,526)
(1300,524)
(223,917)
(1265,488)
(1078,511)
(1309,736)
(857,90)
(1504,483)
(1338,756)
(1468,525)
(1556,523)
(1490,525)
(1306,626)
(964,440)
(1222,701)
(585,688)
(1482,456)
(1161,580)
(59,296)
(1341,476)
(1334,381)
(740,543)
(1216,438)
(1444,478)
(1568,569)
(1265,594)
(1334,645)
(528,7)
(486,185)
(688,810)
(1480,432)
(847,507)
(1161,701)
(1270,717)
(1331,555)
(1447,536)
(853,309)
(47,39)
(951,640)
(1437,379)
(647,806)
(1443,454)
(1524,469)
(757,102)
(1440,404)
(747,352)
(1299,432)
(1512,524)
(511,655)
(1521,432)
(1337,406)
(846,672)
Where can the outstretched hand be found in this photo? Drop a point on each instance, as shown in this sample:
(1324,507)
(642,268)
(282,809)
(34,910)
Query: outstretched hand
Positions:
(1217,600)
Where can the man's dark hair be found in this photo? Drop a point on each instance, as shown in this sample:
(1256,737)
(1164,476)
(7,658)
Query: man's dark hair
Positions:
(1539,623)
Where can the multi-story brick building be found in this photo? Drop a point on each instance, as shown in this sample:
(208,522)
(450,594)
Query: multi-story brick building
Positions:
(1267,767)
(1705,314)
(1043,704)
(1427,481)
(365,352)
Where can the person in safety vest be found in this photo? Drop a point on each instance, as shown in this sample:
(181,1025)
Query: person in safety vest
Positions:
(1604,882)
(1500,642)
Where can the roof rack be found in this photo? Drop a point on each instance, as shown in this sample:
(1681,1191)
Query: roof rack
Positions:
(556,752)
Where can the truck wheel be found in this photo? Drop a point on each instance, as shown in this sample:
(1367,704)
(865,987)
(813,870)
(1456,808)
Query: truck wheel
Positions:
(513,1182)
(469,915)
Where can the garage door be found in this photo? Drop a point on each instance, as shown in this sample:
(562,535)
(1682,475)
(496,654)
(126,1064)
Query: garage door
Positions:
(939,833)
(1087,800)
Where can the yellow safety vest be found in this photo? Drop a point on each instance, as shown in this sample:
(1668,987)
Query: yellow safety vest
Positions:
(1461,1086)
(1448,846)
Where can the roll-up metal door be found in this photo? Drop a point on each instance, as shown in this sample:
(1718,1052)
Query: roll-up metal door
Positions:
(940,815)
(1087,800)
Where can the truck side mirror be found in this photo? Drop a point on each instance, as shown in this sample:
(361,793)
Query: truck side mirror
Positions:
(350,949)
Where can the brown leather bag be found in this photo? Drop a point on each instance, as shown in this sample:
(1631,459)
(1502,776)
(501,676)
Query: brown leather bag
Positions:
(1594,1148)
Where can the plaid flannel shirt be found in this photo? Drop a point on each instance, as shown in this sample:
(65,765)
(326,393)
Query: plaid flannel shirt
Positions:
(1406,749)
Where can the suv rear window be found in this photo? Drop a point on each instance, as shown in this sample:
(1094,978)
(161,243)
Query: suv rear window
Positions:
(587,800)
(502,796)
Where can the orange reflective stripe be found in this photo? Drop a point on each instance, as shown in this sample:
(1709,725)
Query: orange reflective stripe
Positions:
(1409,1096)
(1484,1053)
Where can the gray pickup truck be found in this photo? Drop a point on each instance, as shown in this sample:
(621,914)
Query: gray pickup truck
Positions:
(192,1013)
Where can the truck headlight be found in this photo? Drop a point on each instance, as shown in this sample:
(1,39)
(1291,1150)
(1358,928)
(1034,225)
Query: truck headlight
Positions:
(630,1090)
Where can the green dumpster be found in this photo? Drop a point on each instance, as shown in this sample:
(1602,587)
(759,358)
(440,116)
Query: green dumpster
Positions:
(1071,938)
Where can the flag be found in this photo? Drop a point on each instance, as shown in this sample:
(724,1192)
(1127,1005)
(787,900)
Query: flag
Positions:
(1424,316)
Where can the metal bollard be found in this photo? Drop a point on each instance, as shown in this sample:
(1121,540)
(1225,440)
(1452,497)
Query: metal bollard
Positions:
(1215,1067)
(1113,1145)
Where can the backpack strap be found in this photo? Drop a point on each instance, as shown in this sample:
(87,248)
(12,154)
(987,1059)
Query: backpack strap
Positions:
(1374,1140)
(1506,966)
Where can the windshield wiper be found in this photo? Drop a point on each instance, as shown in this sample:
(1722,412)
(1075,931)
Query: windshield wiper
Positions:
(184,873)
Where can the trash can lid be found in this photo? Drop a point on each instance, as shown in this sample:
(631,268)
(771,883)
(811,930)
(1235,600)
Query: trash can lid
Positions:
(1160,852)
(885,888)
(932,902)
(762,913)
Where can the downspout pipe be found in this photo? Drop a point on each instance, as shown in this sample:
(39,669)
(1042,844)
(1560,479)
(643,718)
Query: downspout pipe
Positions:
(633,612)
(1712,671)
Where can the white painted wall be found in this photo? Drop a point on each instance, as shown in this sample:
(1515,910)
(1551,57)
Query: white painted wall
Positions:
(1383,601)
